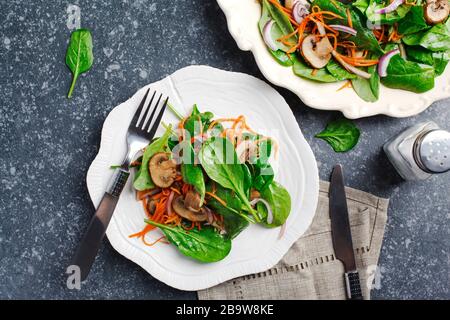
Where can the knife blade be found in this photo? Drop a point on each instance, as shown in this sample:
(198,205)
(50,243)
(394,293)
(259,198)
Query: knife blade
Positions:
(341,233)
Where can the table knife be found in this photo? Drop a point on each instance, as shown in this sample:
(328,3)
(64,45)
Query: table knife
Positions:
(341,233)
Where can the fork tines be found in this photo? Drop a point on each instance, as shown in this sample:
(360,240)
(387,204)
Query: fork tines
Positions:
(143,118)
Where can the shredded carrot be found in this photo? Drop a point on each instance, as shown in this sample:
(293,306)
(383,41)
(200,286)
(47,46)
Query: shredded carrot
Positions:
(189,228)
(217,198)
(285,11)
(347,84)
(314,72)
(175,190)
(154,242)
(147,228)
(349,18)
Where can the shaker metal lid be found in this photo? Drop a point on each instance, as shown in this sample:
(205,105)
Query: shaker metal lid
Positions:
(434,151)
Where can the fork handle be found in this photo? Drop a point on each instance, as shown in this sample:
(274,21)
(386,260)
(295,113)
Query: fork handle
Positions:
(89,245)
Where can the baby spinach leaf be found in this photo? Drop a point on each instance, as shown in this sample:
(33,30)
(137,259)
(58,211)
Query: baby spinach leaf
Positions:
(368,89)
(341,134)
(280,56)
(143,180)
(364,38)
(338,71)
(197,121)
(303,70)
(408,75)
(388,18)
(280,203)
(361,5)
(282,22)
(221,164)
(441,60)
(262,175)
(192,173)
(438,60)
(419,54)
(79,56)
(437,38)
(413,22)
(205,245)
(413,39)
(234,223)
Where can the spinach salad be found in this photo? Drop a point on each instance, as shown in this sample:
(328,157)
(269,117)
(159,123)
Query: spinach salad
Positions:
(402,44)
(206,180)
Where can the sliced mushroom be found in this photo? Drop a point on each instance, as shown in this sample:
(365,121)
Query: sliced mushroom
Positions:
(436,11)
(151,206)
(179,207)
(254,194)
(317,51)
(162,170)
(193,201)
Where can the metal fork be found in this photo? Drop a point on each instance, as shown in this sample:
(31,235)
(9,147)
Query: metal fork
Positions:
(141,131)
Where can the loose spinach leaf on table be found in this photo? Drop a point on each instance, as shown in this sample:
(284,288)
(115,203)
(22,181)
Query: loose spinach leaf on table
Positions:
(413,22)
(191,172)
(364,38)
(341,134)
(408,75)
(231,211)
(220,162)
(79,56)
(205,245)
(280,202)
(143,180)
(302,69)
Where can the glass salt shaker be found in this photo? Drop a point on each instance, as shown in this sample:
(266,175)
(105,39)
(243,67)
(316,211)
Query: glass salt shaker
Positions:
(420,151)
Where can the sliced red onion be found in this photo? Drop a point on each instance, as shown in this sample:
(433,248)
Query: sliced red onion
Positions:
(351,68)
(384,62)
(267,35)
(299,11)
(169,203)
(345,29)
(282,231)
(393,6)
(269,209)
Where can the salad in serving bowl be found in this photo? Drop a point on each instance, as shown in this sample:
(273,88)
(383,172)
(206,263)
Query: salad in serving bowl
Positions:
(416,69)
(402,44)
(204,182)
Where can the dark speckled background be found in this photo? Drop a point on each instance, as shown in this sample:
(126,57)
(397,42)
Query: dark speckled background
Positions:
(48,142)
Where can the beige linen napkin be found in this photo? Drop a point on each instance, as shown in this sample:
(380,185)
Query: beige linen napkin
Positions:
(310,270)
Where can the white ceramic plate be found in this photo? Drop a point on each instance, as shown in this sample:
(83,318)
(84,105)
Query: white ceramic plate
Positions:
(225,94)
(242,18)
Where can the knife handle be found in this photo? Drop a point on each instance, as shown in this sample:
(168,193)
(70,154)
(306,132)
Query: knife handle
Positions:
(89,245)
(353,285)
